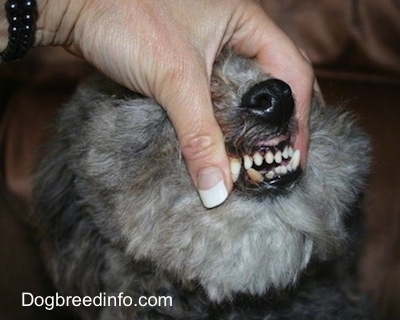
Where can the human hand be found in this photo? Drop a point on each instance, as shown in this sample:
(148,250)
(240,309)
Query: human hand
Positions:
(166,50)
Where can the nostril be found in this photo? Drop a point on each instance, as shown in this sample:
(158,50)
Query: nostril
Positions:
(270,100)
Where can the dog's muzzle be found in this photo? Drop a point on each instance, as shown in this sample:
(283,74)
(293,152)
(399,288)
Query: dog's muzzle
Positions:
(270,163)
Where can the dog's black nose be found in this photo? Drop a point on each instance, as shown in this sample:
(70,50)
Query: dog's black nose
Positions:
(270,101)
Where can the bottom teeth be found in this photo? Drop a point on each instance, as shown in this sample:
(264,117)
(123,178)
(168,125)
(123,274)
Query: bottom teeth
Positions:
(255,176)
(284,169)
(281,170)
(270,174)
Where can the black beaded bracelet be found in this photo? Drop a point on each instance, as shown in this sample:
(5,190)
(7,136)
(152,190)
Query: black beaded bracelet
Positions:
(21,15)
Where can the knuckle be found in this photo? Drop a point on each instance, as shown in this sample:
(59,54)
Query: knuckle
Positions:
(197,147)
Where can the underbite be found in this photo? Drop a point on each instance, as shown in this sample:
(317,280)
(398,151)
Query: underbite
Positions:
(271,164)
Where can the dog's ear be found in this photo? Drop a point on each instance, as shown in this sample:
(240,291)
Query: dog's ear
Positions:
(54,201)
(62,224)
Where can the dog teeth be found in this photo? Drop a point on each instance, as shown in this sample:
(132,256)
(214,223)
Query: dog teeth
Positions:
(281,170)
(285,153)
(278,157)
(258,159)
(255,176)
(290,152)
(295,161)
(285,161)
(248,162)
(235,165)
(269,157)
(270,174)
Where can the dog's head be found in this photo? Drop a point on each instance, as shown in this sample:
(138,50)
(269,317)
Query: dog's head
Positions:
(301,210)
(257,118)
(121,156)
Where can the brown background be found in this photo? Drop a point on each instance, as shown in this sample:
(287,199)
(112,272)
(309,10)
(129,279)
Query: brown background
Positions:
(355,47)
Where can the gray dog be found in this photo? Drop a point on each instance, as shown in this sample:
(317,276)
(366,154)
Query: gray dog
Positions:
(118,214)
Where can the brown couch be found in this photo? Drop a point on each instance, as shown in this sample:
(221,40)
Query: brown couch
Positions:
(355,47)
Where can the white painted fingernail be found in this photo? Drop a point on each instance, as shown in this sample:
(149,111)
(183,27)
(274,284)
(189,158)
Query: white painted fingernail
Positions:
(211,186)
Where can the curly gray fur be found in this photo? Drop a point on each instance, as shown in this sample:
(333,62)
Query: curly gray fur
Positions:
(118,212)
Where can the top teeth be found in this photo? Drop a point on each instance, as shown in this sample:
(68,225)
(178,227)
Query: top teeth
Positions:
(286,160)
(282,167)
(278,157)
(248,162)
(290,152)
(258,159)
(269,157)
(285,153)
(235,165)
(295,161)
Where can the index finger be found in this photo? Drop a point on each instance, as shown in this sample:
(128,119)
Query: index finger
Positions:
(258,37)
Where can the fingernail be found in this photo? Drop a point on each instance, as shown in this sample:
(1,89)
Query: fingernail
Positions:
(211,186)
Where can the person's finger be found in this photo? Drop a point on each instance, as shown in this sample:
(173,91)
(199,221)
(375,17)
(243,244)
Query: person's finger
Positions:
(260,38)
(187,101)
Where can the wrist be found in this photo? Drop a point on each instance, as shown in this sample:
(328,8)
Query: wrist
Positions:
(54,25)
(3,26)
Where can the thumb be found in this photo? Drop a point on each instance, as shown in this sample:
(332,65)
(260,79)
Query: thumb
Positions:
(189,107)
